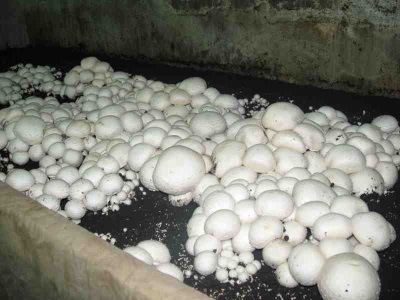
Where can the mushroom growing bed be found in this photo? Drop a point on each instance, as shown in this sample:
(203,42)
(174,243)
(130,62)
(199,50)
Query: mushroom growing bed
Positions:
(150,215)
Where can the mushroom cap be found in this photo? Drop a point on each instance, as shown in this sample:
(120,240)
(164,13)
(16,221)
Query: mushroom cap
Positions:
(305,264)
(333,246)
(294,233)
(348,206)
(282,116)
(241,243)
(111,184)
(224,224)
(80,188)
(56,187)
(206,263)
(226,101)
(346,158)
(146,175)
(274,203)
(139,154)
(208,123)
(236,173)
(195,226)
(371,229)
(260,159)
(179,97)
(238,191)
(288,159)
(95,200)
(78,128)
(332,225)
(178,177)
(245,211)
(171,270)
(19,179)
(140,254)
(364,144)
(49,201)
(388,124)
(264,230)
(75,209)
(108,127)
(284,277)
(389,173)
(368,181)
(308,213)
(312,137)
(207,242)
(216,201)
(289,139)
(276,253)
(193,85)
(339,178)
(312,190)
(251,135)
(369,254)
(349,276)
(158,251)
(30,129)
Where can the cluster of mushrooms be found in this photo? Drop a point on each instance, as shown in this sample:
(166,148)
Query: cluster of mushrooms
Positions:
(260,183)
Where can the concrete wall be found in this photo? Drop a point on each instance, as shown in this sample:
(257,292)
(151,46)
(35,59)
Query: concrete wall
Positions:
(343,44)
(13,32)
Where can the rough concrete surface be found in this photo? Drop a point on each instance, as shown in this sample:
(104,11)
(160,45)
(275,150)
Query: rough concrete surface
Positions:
(13,32)
(352,45)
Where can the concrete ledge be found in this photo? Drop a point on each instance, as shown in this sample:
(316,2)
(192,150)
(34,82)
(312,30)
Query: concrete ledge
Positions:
(45,256)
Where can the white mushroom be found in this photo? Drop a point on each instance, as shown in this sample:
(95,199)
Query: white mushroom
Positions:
(274,203)
(264,230)
(206,263)
(312,190)
(294,233)
(305,264)
(241,242)
(333,246)
(49,201)
(282,116)
(207,242)
(372,230)
(207,124)
(140,254)
(158,251)
(367,181)
(30,129)
(346,158)
(369,254)
(276,253)
(171,270)
(20,180)
(348,206)
(75,209)
(223,224)
(260,159)
(284,277)
(388,124)
(289,139)
(178,179)
(332,225)
(310,212)
(349,276)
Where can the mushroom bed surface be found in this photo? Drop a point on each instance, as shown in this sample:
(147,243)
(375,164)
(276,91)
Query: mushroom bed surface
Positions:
(240,187)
